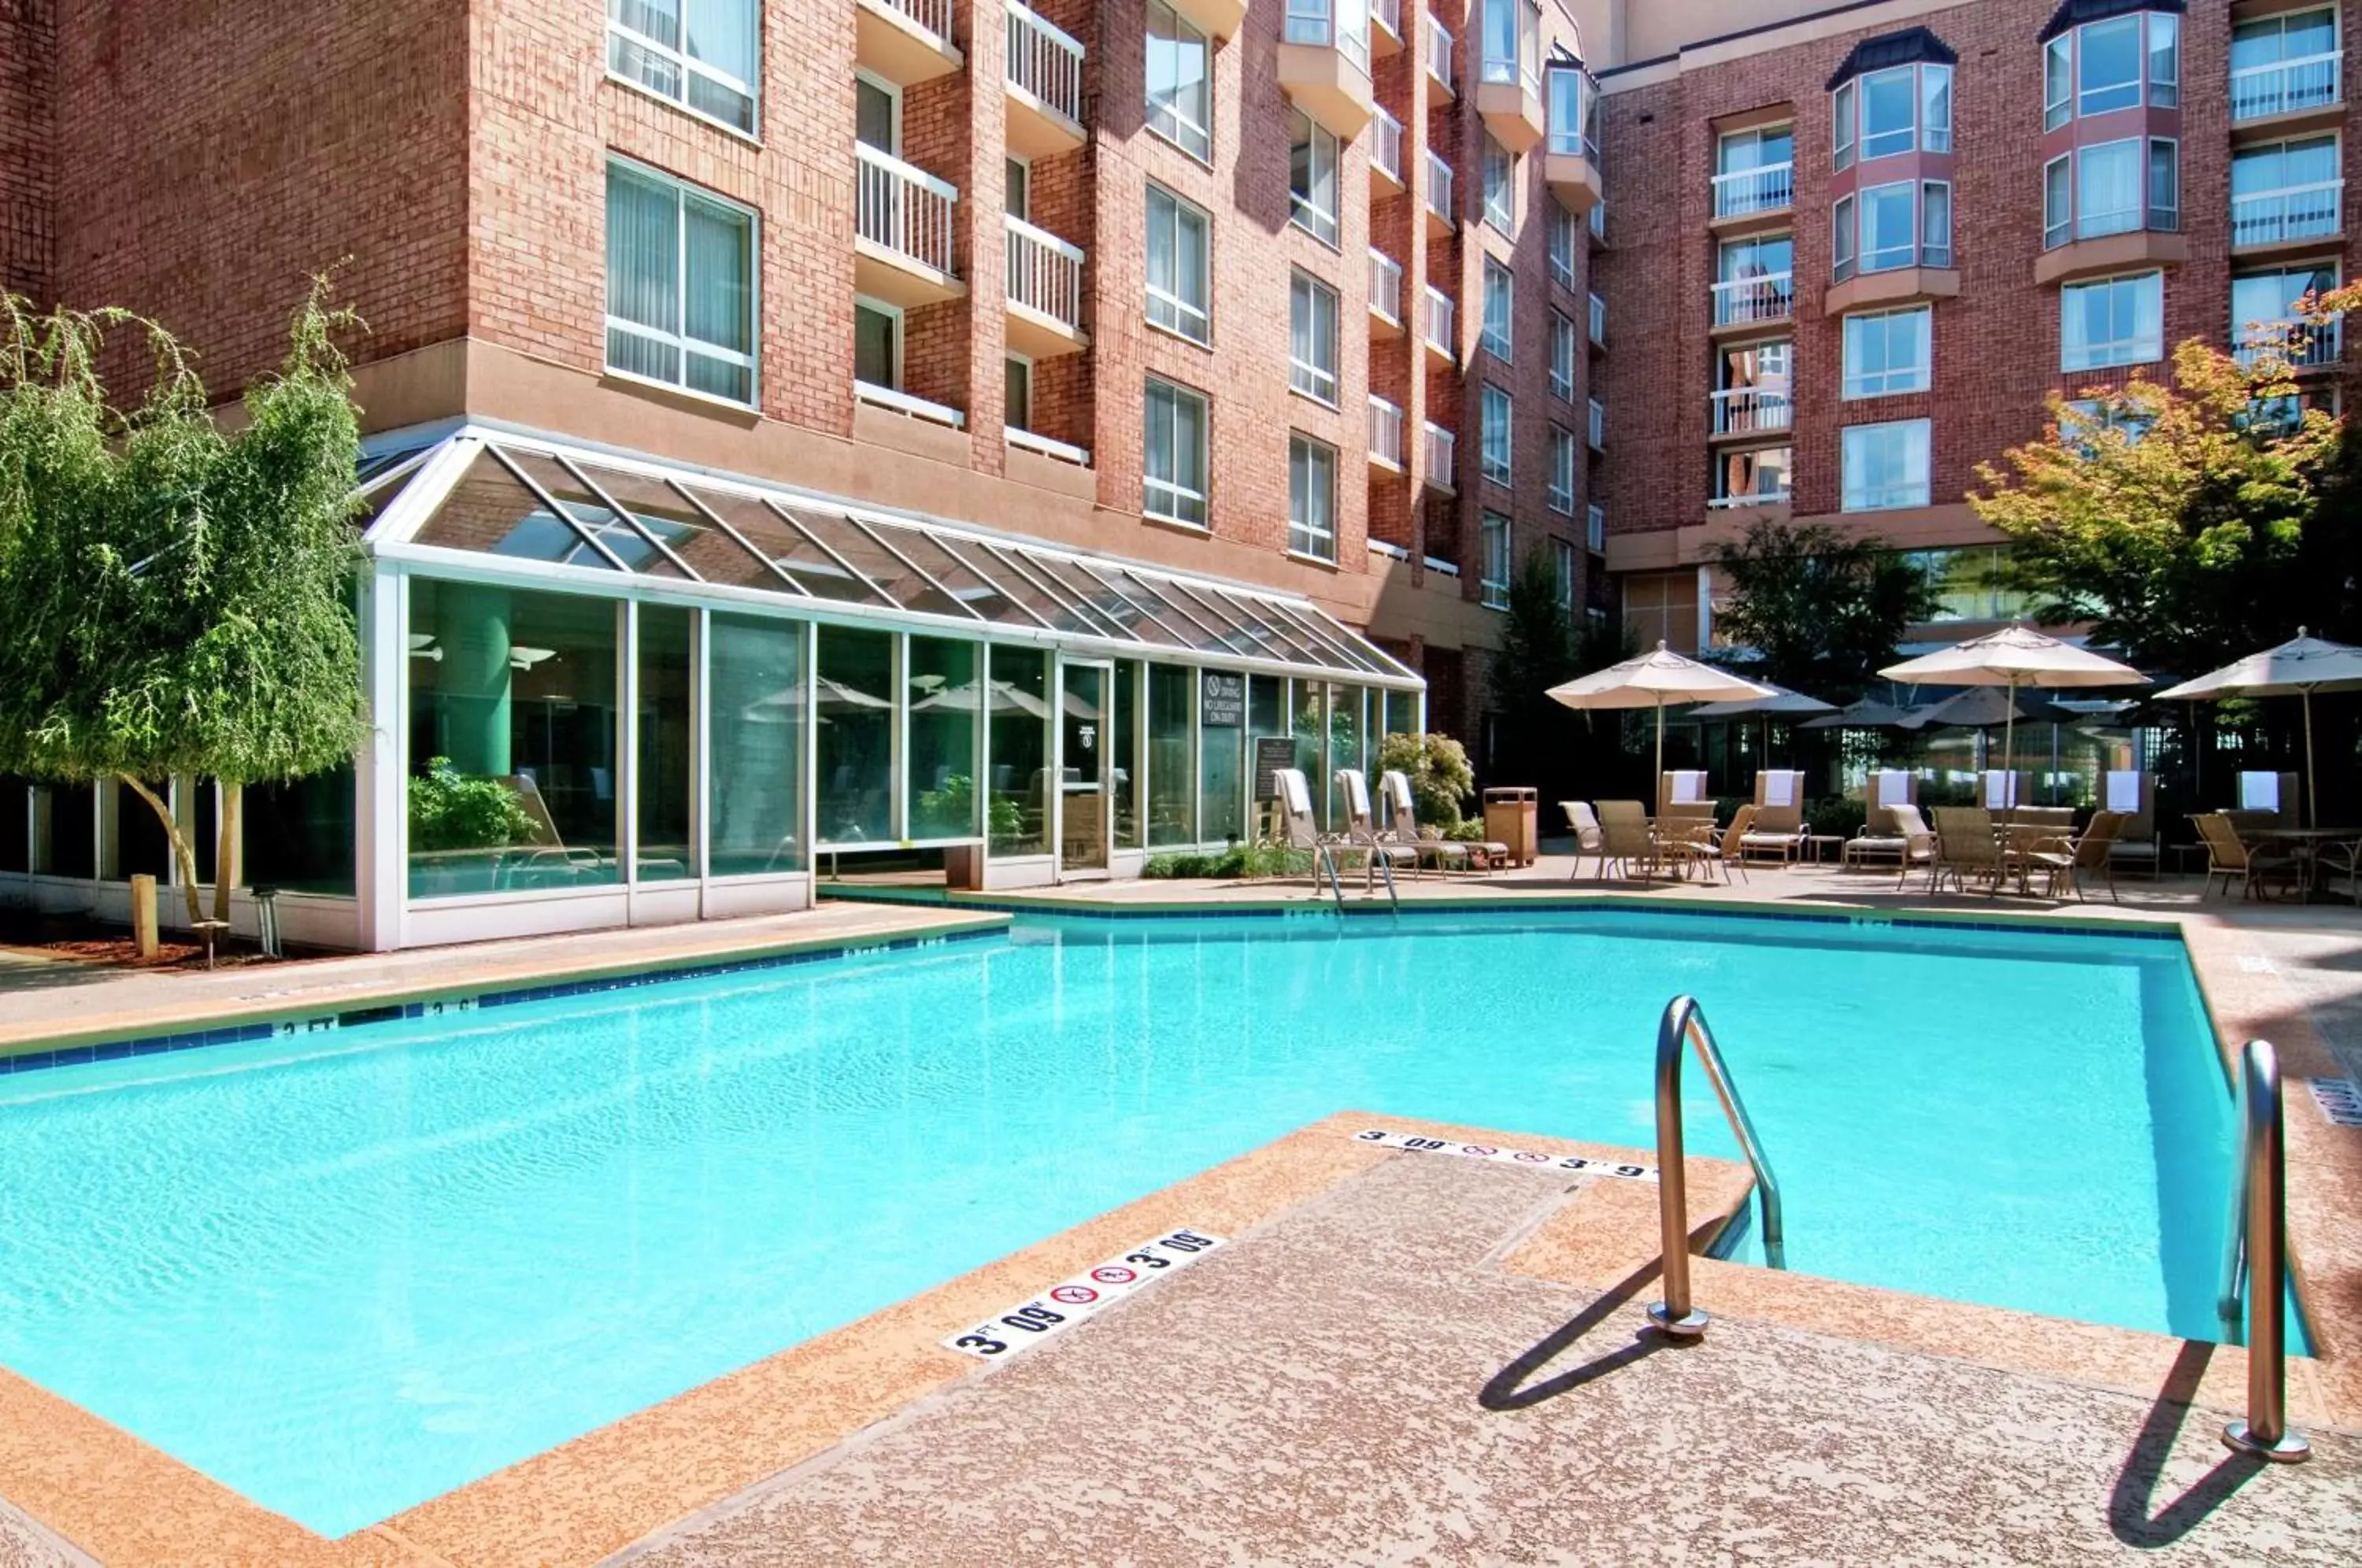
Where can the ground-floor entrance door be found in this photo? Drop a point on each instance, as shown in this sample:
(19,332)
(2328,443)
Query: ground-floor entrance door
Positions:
(1084,750)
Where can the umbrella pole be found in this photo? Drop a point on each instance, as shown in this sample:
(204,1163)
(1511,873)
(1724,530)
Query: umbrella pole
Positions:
(2312,801)
(1657,781)
(2009,756)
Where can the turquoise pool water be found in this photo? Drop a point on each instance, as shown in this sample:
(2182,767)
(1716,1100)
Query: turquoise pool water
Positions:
(344,1279)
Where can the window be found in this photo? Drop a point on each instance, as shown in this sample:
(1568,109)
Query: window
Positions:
(2265,314)
(1841,129)
(877,115)
(1180,104)
(1561,482)
(1501,40)
(1754,170)
(2284,64)
(1901,109)
(1888,352)
(2115,321)
(2107,188)
(1561,244)
(1178,299)
(1561,360)
(1756,476)
(1889,228)
(704,54)
(1312,339)
(1889,112)
(1562,560)
(2163,184)
(1935,109)
(1174,461)
(1500,187)
(1312,178)
(2163,61)
(681,285)
(1885,465)
(1497,334)
(1493,447)
(1595,527)
(1312,497)
(1496,561)
(2084,419)
(877,343)
(2058,201)
(2109,73)
(1973,584)
(1017,188)
(1841,238)
(1017,392)
(2285,190)
(2059,81)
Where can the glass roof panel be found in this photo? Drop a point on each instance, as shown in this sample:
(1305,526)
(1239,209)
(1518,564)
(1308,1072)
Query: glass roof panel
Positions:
(1337,656)
(1103,602)
(801,556)
(985,596)
(490,511)
(866,556)
(904,577)
(1263,639)
(637,551)
(708,552)
(1003,567)
(1379,661)
(1191,630)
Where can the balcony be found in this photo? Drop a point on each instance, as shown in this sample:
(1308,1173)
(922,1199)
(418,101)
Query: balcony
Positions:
(1756,476)
(1750,410)
(1571,151)
(1760,301)
(2288,87)
(1385,434)
(1045,292)
(1745,194)
(1385,155)
(1598,322)
(902,231)
(1215,18)
(2305,347)
(1386,28)
(1386,295)
(1324,63)
(1044,85)
(1435,328)
(1597,429)
(1436,448)
(905,41)
(1438,56)
(2296,212)
(1439,210)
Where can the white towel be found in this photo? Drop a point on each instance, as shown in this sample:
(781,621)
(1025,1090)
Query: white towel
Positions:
(1357,794)
(2123,791)
(1294,791)
(1396,788)
(1893,787)
(2001,789)
(1689,786)
(2259,792)
(1780,789)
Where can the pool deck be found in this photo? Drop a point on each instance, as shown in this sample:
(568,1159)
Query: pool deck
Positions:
(1400,1357)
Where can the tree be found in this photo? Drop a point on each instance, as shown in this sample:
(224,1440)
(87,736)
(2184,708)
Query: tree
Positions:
(1538,740)
(178,594)
(1815,611)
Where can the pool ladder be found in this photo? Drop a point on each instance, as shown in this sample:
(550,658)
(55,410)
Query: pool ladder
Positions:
(2254,1261)
(1324,859)
(1684,1022)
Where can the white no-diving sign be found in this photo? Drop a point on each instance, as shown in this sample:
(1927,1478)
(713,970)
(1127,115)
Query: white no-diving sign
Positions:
(1069,1302)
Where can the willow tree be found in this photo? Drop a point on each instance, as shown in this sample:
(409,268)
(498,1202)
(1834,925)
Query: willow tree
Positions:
(177,590)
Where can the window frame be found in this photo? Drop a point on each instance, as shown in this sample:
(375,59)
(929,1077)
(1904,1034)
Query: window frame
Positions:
(1594,528)
(1504,217)
(1494,537)
(2155,351)
(893,315)
(1559,496)
(1154,297)
(1305,535)
(684,193)
(1858,383)
(1496,284)
(1011,360)
(1843,124)
(1886,498)
(2084,92)
(2058,85)
(1562,355)
(687,65)
(1562,561)
(1302,211)
(1307,378)
(1158,110)
(1562,243)
(1202,493)
(1488,397)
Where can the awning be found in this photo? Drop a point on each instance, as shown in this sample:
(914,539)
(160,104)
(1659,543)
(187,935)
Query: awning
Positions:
(485,501)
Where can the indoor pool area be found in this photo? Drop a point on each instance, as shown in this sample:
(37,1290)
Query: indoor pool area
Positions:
(344,1274)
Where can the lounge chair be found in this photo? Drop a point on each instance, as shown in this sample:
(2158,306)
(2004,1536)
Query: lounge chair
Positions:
(1918,844)
(1402,827)
(548,861)
(1361,835)
(2139,847)
(1879,839)
(2064,860)
(1296,828)
(2231,858)
(1585,825)
(1625,840)
(1966,846)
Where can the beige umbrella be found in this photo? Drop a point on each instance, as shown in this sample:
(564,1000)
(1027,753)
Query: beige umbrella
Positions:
(1652,681)
(2296,668)
(2011,658)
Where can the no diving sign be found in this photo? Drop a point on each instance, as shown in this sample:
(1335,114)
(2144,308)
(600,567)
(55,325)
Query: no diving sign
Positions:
(1527,1158)
(1069,1302)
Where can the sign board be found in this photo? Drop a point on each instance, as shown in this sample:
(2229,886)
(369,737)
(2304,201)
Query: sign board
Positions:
(1223,700)
(1272,752)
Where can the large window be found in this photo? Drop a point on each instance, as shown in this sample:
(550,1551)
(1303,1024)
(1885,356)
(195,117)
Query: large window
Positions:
(1018,759)
(2112,187)
(1754,170)
(681,285)
(1887,352)
(876,344)
(1180,101)
(2115,321)
(1885,465)
(1495,336)
(2280,65)
(1311,497)
(1493,447)
(1903,109)
(1221,775)
(1180,297)
(1560,495)
(1500,172)
(1562,360)
(856,695)
(1494,584)
(1174,460)
(945,701)
(1312,339)
(705,54)
(1973,584)
(754,682)
(2285,190)
(1312,178)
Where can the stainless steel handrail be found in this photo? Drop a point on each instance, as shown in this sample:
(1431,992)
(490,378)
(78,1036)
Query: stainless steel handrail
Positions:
(1685,1019)
(2255,1245)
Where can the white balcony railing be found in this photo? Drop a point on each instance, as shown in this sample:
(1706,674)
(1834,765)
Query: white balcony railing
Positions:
(1598,425)
(1438,187)
(1385,146)
(1749,411)
(1386,432)
(2299,211)
(2285,87)
(2320,346)
(1385,288)
(1438,53)
(1387,14)
(1438,326)
(1437,448)
(1599,321)
(1764,190)
(1045,61)
(1769,296)
(902,208)
(1045,274)
(917,408)
(1061,451)
(934,15)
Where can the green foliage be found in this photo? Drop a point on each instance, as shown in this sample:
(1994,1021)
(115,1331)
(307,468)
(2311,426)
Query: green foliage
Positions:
(952,808)
(1819,613)
(1238,862)
(450,810)
(1469,832)
(1437,766)
(1836,815)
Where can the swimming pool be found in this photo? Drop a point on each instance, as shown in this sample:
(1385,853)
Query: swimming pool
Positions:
(344,1279)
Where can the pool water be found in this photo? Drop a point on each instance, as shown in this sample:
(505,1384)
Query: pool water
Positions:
(346,1279)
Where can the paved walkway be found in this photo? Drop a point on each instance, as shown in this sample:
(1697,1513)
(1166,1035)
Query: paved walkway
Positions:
(1358,1381)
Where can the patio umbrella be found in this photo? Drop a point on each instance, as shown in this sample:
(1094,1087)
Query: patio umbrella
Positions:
(1985,708)
(1652,681)
(2296,668)
(2009,659)
(1865,715)
(1781,704)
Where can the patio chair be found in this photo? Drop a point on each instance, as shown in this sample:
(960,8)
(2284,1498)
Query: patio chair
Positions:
(1728,844)
(1585,825)
(2342,863)
(1361,835)
(2064,860)
(1688,840)
(1918,844)
(1877,840)
(2231,858)
(1401,827)
(1776,832)
(1298,830)
(1966,846)
(1625,840)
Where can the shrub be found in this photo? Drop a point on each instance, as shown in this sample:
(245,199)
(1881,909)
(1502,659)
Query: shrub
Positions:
(1835,816)
(450,810)
(1437,766)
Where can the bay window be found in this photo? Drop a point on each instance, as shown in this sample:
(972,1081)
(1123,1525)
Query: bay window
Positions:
(2117,63)
(681,285)
(1905,223)
(2112,187)
(1904,108)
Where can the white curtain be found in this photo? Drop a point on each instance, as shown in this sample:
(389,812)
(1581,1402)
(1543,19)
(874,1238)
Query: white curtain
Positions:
(719,308)
(643,272)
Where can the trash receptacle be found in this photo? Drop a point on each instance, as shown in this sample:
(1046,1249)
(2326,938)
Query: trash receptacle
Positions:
(1512,816)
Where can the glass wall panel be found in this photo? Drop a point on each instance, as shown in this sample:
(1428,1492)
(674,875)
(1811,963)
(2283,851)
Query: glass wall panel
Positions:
(1266,715)
(513,739)
(666,743)
(299,836)
(1402,713)
(1171,773)
(856,734)
(1310,748)
(16,823)
(1019,737)
(1222,769)
(141,847)
(1345,730)
(65,830)
(755,700)
(1127,758)
(946,702)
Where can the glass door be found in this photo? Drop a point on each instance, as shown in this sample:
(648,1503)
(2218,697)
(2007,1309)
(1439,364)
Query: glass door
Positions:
(1083,752)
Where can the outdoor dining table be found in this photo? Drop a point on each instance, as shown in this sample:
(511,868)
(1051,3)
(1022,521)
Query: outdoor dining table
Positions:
(2307,843)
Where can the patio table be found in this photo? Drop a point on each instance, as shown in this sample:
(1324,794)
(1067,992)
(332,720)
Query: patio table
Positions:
(2307,843)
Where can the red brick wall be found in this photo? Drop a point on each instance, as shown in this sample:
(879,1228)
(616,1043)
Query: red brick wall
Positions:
(28,44)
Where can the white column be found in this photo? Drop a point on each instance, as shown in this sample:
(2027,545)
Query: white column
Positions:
(380,884)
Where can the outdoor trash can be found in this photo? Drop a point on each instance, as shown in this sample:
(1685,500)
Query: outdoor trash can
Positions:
(1513,817)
